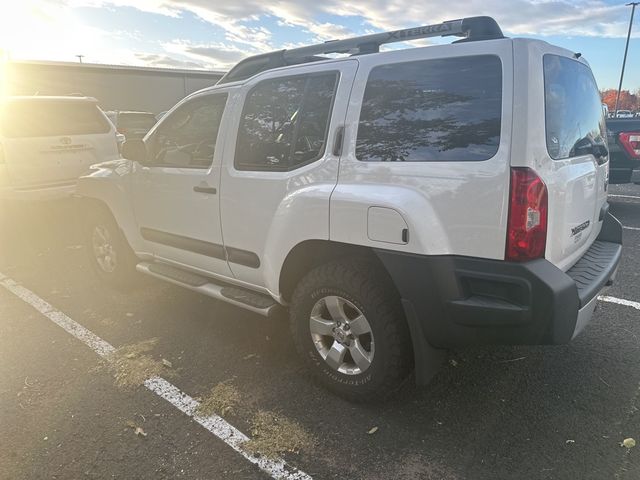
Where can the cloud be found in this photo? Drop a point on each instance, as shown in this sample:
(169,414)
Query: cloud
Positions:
(519,17)
(589,18)
(213,55)
(218,55)
(245,33)
(159,60)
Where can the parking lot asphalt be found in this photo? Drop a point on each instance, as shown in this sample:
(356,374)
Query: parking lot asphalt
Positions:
(552,412)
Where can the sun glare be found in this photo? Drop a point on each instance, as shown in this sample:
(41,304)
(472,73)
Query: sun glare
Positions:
(3,74)
(42,31)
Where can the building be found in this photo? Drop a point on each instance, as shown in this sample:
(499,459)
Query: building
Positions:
(116,87)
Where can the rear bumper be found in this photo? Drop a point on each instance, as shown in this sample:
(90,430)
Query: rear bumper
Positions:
(456,301)
(635,176)
(39,192)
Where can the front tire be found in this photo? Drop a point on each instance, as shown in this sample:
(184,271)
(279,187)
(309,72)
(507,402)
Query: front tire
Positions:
(110,255)
(349,327)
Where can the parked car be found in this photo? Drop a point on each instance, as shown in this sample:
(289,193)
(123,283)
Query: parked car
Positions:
(624,150)
(132,124)
(395,206)
(46,143)
(624,114)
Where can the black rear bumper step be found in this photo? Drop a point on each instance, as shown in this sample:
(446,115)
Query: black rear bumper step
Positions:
(592,272)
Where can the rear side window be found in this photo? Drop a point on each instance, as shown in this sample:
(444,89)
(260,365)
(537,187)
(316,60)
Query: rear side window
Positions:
(573,110)
(432,111)
(285,121)
(51,118)
(136,120)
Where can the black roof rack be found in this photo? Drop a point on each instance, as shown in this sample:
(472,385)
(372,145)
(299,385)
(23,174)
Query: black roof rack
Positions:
(471,29)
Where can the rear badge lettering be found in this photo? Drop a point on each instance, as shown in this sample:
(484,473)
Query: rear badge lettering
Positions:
(583,226)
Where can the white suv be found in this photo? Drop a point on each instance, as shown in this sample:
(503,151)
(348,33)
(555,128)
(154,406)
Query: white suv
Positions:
(397,203)
(46,143)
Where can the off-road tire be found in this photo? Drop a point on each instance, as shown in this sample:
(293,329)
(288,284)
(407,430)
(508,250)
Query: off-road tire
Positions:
(368,287)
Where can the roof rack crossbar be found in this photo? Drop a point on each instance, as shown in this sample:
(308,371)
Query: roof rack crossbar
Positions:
(472,28)
(353,45)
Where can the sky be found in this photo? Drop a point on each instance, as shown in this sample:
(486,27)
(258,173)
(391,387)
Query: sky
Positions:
(214,34)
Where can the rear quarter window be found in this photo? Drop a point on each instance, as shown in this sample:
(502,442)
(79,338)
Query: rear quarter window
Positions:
(573,109)
(48,119)
(136,120)
(432,111)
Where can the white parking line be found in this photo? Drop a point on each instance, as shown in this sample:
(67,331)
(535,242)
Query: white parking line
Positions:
(620,301)
(631,228)
(276,468)
(624,196)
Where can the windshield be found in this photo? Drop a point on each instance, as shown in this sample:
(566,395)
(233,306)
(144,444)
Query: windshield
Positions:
(573,110)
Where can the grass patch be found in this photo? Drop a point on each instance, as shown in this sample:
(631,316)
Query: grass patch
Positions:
(273,435)
(223,399)
(131,364)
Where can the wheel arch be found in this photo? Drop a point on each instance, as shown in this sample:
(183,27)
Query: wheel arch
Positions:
(108,189)
(312,253)
(309,254)
(86,205)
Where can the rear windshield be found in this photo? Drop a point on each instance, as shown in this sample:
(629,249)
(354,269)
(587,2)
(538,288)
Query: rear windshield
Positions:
(136,120)
(573,109)
(51,118)
(432,111)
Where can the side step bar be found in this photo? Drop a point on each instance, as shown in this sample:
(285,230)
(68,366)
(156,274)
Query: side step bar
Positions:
(240,297)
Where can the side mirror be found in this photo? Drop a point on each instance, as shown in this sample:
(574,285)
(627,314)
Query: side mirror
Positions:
(600,151)
(587,146)
(135,149)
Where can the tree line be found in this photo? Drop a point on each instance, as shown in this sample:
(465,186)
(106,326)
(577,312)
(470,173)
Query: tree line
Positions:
(628,100)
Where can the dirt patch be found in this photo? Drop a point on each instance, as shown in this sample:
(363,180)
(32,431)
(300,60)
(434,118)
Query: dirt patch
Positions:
(223,399)
(131,364)
(273,435)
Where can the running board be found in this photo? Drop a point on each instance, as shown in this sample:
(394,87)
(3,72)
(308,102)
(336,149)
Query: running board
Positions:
(240,297)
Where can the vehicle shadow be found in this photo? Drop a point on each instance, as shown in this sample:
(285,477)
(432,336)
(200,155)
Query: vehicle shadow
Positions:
(628,212)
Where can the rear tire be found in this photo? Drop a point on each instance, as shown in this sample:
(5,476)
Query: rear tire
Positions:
(110,255)
(349,327)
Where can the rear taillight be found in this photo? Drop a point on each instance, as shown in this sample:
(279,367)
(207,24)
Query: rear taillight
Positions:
(527,224)
(630,141)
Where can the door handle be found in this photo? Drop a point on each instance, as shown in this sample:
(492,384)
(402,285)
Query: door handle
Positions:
(204,189)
